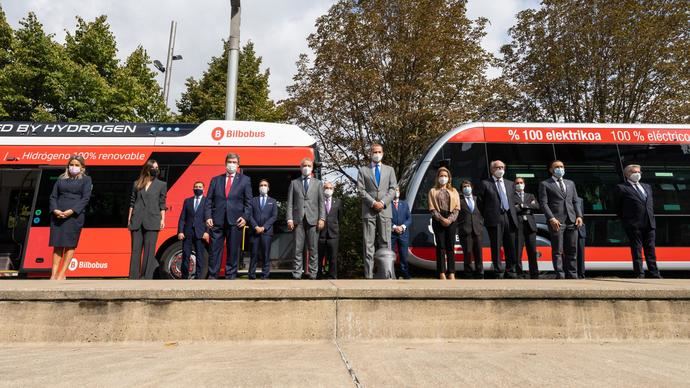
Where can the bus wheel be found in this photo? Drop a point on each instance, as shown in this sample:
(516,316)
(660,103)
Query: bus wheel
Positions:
(171,262)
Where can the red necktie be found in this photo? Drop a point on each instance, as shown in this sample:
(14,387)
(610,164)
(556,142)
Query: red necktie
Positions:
(396,205)
(228,186)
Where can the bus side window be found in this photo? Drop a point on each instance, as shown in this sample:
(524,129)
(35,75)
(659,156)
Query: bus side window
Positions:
(109,204)
(527,161)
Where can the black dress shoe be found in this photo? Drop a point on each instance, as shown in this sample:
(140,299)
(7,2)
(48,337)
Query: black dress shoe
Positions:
(655,276)
(640,276)
(511,275)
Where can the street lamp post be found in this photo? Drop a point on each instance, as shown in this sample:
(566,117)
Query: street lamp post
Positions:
(233,60)
(167,69)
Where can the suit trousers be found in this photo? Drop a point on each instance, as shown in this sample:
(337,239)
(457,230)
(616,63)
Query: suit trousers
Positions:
(643,239)
(304,231)
(564,251)
(261,251)
(503,234)
(445,247)
(201,253)
(401,246)
(143,266)
(377,235)
(581,256)
(229,237)
(472,255)
(328,250)
(527,239)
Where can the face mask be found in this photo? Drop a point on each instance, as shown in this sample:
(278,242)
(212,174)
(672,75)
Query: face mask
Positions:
(636,176)
(467,190)
(154,172)
(306,171)
(231,168)
(443,180)
(198,192)
(558,172)
(328,193)
(74,170)
(520,186)
(499,173)
(376,157)
(397,194)
(263,190)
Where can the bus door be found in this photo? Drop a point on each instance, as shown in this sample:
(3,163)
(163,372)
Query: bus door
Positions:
(18,187)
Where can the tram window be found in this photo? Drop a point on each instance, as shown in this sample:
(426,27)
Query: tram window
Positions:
(595,169)
(527,161)
(667,169)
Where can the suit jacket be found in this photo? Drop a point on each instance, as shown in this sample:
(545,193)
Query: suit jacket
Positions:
(469,222)
(147,205)
(263,217)
(370,192)
(582,230)
(634,211)
(490,201)
(332,227)
(402,216)
(555,204)
(222,209)
(192,223)
(526,208)
(309,204)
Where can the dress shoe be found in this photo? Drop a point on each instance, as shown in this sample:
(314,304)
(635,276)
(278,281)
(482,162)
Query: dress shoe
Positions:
(640,276)
(442,276)
(655,276)
(511,275)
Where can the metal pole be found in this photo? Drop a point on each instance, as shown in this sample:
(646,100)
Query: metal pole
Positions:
(169,61)
(233,60)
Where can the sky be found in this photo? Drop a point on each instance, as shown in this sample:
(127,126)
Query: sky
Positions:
(278,28)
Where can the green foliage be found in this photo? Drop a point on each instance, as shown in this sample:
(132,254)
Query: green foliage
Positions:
(83,80)
(350,259)
(204,99)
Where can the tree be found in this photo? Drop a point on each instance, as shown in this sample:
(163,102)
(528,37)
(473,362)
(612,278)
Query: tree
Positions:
(390,71)
(93,43)
(204,99)
(5,40)
(627,63)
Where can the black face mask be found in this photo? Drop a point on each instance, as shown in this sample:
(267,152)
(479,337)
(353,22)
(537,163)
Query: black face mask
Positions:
(198,192)
(154,172)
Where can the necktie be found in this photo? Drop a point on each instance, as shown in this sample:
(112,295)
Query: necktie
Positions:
(396,205)
(228,186)
(641,191)
(263,201)
(561,185)
(328,206)
(196,203)
(502,194)
(377,173)
(470,204)
(306,185)
(522,197)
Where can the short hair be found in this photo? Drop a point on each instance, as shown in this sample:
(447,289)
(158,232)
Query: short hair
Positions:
(232,155)
(264,180)
(306,159)
(328,183)
(375,145)
(199,183)
(494,162)
(627,170)
(466,182)
(555,161)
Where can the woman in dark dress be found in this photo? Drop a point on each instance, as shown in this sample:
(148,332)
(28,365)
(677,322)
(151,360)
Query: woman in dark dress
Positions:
(146,219)
(444,205)
(68,201)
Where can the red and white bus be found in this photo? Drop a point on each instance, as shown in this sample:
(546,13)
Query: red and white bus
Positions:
(594,157)
(33,155)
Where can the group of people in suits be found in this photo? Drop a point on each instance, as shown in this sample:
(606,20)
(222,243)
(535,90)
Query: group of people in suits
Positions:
(218,219)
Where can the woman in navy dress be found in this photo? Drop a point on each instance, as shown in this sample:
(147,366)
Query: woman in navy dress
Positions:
(68,201)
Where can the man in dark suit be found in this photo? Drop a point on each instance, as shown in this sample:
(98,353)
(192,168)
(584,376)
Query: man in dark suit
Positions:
(557,197)
(193,232)
(227,210)
(635,207)
(470,230)
(496,204)
(305,214)
(263,214)
(526,204)
(581,239)
(400,236)
(329,235)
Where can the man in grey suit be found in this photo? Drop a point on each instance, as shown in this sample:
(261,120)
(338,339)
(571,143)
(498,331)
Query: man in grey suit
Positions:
(376,185)
(558,199)
(305,213)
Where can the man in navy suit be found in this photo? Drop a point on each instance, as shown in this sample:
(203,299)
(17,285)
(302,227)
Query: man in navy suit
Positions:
(263,215)
(227,210)
(192,230)
(400,236)
(635,208)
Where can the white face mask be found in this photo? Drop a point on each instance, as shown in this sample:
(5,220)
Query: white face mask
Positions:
(231,168)
(636,176)
(74,170)
(443,180)
(467,190)
(263,190)
(306,170)
(328,193)
(558,172)
(397,194)
(377,157)
(519,186)
(499,173)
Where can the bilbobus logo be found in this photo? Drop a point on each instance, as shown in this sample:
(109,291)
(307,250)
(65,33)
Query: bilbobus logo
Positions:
(75,264)
(218,133)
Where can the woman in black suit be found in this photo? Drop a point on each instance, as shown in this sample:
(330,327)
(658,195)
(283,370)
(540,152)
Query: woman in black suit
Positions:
(146,219)
(68,201)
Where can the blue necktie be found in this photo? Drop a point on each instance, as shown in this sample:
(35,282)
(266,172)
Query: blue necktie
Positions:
(263,201)
(502,194)
(306,185)
(470,204)
(196,203)
(377,173)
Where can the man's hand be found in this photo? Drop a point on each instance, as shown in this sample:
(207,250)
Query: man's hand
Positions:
(209,223)
(579,222)
(68,213)
(241,222)
(291,225)
(320,225)
(180,236)
(555,224)
(206,238)
(377,206)
(162,223)
(258,229)
(445,222)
